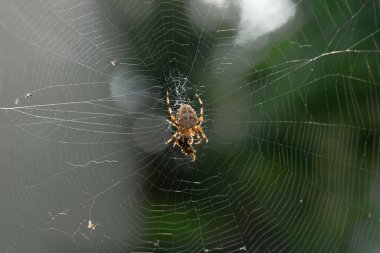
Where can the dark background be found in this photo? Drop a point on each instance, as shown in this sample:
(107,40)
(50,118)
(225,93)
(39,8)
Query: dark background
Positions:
(291,93)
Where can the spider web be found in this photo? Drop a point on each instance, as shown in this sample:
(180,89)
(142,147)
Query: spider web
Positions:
(291,95)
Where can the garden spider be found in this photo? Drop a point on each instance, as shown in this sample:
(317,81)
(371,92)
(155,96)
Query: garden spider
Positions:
(188,125)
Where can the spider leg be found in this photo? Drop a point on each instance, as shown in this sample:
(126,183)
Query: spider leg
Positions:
(193,155)
(175,143)
(183,150)
(171,123)
(192,151)
(200,119)
(170,109)
(191,140)
(172,138)
(199,139)
(199,129)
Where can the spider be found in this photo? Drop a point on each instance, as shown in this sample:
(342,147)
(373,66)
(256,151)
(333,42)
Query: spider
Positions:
(188,125)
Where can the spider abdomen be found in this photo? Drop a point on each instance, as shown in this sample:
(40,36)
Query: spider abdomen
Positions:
(186,116)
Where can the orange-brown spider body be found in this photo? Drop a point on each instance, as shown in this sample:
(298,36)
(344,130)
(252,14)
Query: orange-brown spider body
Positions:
(188,126)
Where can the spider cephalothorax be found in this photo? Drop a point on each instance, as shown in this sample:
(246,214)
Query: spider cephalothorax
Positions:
(188,125)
